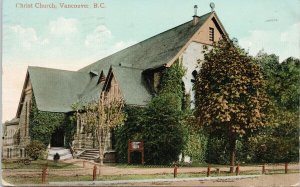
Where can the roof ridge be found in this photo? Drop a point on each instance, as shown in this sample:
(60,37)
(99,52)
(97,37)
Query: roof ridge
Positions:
(39,67)
(145,40)
(127,67)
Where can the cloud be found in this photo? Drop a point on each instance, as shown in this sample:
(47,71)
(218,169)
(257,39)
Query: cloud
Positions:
(98,37)
(284,43)
(50,48)
(63,27)
(19,37)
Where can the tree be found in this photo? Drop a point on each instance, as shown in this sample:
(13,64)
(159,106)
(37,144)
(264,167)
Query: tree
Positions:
(282,80)
(103,116)
(229,94)
(162,131)
(159,124)
(281,139)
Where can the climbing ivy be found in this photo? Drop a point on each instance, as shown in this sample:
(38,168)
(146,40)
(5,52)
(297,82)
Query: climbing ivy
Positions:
(131,130)
(171,83)
(43,124)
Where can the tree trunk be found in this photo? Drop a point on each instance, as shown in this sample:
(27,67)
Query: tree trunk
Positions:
(101,152)
(232,153)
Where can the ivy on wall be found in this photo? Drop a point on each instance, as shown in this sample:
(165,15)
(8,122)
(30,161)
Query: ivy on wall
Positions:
(131,130)
(42,124)
(171,83)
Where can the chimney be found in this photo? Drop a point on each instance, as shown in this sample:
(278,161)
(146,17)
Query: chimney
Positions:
(195,17)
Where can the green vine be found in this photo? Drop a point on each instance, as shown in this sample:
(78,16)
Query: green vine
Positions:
(171,83)
(43,124)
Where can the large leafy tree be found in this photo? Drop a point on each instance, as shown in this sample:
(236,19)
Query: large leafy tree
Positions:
(162,131)
(229,94)
(280,141)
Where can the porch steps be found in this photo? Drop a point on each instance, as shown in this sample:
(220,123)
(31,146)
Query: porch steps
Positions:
(89,154)
(63,153)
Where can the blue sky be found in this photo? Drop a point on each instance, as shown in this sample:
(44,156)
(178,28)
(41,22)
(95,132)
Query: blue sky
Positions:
(73,38)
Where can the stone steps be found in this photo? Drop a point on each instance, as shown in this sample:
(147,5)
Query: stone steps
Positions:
(89,154)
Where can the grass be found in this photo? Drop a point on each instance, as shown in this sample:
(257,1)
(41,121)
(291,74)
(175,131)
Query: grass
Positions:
(16,178)
(166,166)
(37,164)
(37,179)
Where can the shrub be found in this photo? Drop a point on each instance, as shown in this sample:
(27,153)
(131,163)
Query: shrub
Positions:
(35,149)
(162,131)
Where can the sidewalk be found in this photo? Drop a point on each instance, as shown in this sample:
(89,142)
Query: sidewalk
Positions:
(116,182)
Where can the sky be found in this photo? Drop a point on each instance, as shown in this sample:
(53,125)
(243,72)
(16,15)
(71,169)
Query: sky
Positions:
(71,38)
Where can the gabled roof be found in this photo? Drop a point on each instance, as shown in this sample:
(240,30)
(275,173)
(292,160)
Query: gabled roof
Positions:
(91,91)
(153,52)
(132,85)
(56,90)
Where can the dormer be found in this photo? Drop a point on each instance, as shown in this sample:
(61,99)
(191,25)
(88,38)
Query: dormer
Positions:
(102,78)
(93,73)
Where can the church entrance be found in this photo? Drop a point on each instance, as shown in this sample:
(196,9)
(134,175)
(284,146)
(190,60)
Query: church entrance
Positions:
(57,138)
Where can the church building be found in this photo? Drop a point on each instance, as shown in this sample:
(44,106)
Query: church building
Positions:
(131,73)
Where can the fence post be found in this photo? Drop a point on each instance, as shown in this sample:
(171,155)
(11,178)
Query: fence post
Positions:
(285,167)
(44,174)
(208,170)
(83,164)
(237,169)
(263,168)
(175,171)
(94,172)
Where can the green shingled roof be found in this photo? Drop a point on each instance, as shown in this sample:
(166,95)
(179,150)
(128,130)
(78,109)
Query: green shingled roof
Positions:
(132,85)
(155,51)
(56,90)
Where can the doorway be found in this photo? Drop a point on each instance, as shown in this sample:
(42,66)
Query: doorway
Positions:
(57,138)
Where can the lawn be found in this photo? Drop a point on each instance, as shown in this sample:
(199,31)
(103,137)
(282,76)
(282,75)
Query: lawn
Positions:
(37,179)
(19,173)
(37,164)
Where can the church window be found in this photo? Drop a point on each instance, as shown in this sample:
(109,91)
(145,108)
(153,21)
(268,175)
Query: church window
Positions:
(211,34)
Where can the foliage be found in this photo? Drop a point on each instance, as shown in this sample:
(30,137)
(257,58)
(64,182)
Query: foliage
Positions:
(162,131)
(282,80)
(43,124)
(171,82)
(159,124)
(35,149)
(131,130)
(102,116)
(69,127)
(217,150)
(162,124)
(279,142)
(229,93)
(195,145)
